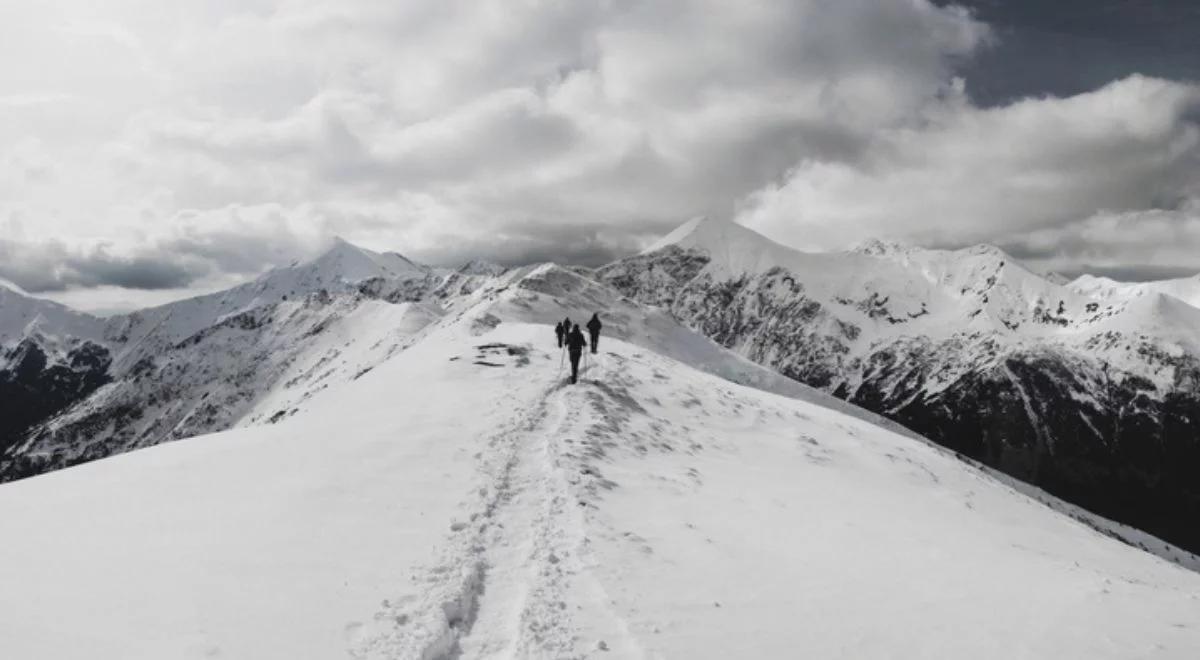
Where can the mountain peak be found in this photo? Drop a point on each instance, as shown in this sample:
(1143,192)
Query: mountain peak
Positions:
(986,249)
(710,234)
(732,247)
(22,314)
(481,267)
(878,247)
(687,233)
(350,262)
(340,247)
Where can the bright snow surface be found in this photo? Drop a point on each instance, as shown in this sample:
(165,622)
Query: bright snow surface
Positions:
(1186,289)
(460,500)
(938,293)
(22,314)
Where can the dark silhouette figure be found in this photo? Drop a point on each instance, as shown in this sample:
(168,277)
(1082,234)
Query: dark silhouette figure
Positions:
(593,327)
(575,345)
(559,332)
(566,326)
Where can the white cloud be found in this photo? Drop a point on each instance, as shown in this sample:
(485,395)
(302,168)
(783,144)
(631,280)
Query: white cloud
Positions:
(1151,244)
(199,130)
(964,174)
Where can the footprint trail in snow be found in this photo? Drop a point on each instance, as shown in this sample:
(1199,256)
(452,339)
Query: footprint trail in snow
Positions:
(513,575)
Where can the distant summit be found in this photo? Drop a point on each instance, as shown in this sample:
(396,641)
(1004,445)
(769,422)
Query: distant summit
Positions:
(877,247)
(481,267)
(1086,389)
(349,262)
(1186,289)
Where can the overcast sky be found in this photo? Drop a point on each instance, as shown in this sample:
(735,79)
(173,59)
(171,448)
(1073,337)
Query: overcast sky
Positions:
(150,149)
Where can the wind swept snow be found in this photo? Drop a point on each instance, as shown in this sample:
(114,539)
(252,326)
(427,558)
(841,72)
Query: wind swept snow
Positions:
(460,501)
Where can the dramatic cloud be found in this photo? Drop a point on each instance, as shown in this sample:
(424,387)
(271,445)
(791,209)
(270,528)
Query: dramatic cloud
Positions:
(1135,245)
(1069,47)
(52,266)
(152,145)
(966,174)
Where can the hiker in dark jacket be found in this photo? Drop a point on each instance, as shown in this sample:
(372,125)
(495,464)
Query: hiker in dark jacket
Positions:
(575,345)
(559,332)
(593,327)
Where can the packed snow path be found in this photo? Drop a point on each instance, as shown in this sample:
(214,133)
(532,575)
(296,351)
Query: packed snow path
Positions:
(502,585)
(462,501)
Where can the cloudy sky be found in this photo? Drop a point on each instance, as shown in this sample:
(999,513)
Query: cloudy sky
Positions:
(150,149)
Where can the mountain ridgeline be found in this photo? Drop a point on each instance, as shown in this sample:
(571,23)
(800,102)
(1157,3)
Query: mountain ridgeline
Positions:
(75,388)
(1089,390)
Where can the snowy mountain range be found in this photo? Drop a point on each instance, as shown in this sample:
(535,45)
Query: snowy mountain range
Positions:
(1087,389)
(405,474)
(1090,390)
(83,388)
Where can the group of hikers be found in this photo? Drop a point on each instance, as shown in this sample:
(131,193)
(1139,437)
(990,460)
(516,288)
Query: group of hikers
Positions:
(571,336)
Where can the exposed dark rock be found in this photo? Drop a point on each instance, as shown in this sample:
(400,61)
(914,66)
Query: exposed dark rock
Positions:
(35,387)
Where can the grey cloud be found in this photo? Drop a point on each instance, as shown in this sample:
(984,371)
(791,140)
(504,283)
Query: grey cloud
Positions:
(593,245)
(1132,272)
(52,266)
(978,175)
(1067,47)
(574,131)
(603,118)
(202,246)
(1135,245)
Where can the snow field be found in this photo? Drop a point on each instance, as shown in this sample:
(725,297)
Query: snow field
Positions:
(753,527)
(460,500)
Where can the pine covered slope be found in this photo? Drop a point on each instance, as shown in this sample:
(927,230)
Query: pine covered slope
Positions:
(1092,396)
(652,511)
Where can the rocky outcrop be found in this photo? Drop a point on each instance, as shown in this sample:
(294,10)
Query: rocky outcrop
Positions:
(35,384)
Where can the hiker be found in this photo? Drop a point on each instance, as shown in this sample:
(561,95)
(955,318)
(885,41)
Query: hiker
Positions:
(575,346)
(559,332)
(566,327)
(593,327)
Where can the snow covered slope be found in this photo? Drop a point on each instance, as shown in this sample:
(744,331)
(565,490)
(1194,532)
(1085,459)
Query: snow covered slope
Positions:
(1186,289)
(652,511)
(23,315)
(342,269)
(243,356)
(1093,397)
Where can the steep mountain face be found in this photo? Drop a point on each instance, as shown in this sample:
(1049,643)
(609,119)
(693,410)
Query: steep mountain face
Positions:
(1092,397)
(35,385)
(76,388)
(50,357)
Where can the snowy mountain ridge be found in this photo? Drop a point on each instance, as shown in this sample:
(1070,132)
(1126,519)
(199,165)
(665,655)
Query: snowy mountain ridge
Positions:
(206,363)
(1186,289)
(22,314)
(926,289)
(966,347)
(654,510)
(1091,397)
